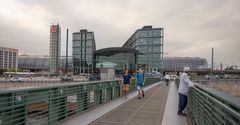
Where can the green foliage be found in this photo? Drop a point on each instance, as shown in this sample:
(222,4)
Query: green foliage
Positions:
(2,71)
(11,70)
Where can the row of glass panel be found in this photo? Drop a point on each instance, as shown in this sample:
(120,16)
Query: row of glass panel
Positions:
(82,43)
(149,33)
(147,49)
(84,50)
(77,36)
(149,41)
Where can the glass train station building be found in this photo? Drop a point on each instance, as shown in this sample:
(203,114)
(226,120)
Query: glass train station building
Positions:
(116,57)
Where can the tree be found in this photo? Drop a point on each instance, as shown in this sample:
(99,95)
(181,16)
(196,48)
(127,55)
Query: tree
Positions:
(2,71)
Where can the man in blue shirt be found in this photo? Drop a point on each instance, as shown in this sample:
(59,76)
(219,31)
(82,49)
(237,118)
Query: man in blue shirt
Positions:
(126,81)
(140,83)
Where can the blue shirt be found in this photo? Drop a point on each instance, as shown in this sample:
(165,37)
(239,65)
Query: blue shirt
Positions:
(140,78)
(126,78)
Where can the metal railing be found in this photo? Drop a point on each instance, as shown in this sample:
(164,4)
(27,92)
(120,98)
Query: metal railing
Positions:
(207,106)
(52,104)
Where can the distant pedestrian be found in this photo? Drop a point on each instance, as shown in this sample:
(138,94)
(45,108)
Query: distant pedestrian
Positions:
(183,90)
(140,83)
(126,82)
(167,78)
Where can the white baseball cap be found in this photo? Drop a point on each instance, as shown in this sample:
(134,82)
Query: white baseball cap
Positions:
(186,69)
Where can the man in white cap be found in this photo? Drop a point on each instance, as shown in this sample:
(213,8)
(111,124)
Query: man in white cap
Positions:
(183,90)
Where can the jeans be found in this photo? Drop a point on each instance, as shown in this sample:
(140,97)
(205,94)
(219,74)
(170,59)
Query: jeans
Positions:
(182,103)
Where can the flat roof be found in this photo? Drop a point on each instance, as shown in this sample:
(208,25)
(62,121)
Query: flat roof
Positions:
(114,50)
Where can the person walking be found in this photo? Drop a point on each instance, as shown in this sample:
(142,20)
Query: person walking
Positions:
(183,90)
(167,78)
(126,81)
(140,83)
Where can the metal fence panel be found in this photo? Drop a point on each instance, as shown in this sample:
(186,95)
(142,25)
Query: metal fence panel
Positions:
(51,104)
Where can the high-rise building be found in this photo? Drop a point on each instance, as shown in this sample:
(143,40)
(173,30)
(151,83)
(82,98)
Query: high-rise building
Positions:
(149,41)
(83,52)
(55,48)
(8,58)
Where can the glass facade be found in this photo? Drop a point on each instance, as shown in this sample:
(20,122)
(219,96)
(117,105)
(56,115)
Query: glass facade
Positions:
(83,50)
(149,41)
(117,58)
(178,63)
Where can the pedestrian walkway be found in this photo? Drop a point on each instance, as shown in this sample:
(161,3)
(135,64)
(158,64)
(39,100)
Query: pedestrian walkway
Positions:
(158,107)
(170,116)
(106,109)
(145,111)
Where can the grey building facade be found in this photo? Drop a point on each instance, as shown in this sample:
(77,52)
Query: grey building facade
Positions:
(83,48)
(55,49)
(8,58)
(149,41)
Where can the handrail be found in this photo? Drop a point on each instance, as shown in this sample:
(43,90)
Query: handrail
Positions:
(208,106)
(49,105)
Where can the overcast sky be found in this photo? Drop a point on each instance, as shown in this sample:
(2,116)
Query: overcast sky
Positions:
(192,27)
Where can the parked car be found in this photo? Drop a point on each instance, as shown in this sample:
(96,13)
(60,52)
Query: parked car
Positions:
(67,78)
(227,76)
(16,79)
(212,77)
(94,78)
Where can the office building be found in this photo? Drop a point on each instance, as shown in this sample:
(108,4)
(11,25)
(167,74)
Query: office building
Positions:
(8,58)
(83,48)
(149,41)
(55,49)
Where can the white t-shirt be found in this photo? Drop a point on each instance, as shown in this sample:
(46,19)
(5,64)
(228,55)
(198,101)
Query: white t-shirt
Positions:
(166,77)
(185,83)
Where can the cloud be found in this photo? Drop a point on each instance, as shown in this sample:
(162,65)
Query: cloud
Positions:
(191,27)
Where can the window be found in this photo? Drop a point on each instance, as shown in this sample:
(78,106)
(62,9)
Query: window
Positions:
(88,57)
(156,49)
(156,56)
(76,51)
(76,43)
(83,36)
(150,48)
(76,36)
(156,40)
(89,35)
(149,41)
(142,48)
(156,33)
(142,41)
(89,43)
(83,43)
(143,33)
(89,50)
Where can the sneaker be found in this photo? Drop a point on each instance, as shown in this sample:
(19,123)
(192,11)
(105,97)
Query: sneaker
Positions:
(139,97)
(143,95)
(181,114)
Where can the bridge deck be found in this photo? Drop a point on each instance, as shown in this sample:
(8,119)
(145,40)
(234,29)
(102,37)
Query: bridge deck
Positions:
(158,107)
(146,111)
